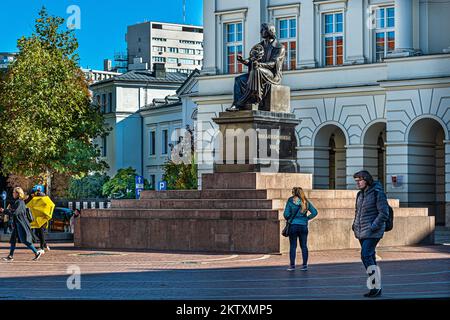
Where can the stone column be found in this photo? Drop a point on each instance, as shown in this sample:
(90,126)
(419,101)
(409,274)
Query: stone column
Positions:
(403,29)
(397,165)
(355,163)
(447,183)
(305,159)
(209,34)
(355,38)
(306,36)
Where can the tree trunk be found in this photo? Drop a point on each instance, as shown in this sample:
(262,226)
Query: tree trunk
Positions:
(49,183)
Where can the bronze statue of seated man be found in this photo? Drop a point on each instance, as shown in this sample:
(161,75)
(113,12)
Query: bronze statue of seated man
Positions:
(264,70)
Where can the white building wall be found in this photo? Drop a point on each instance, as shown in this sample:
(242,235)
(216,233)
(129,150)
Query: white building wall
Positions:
(168,118)
(362,100)
(125,142)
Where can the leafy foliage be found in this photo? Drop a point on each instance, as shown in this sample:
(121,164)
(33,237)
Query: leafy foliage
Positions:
(123,184)
(90,186)
(180,176)
(47,120)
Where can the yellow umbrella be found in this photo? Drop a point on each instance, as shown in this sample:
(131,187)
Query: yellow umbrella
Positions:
(42,210)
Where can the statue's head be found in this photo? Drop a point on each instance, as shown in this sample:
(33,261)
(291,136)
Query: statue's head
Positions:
(268,31)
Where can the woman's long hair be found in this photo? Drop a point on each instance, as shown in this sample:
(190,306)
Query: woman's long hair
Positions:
(20,192)
(297,191)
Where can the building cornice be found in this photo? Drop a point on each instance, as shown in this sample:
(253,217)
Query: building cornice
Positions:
(370,89)
(241,10)
(284,6)
(432,82)
(161,110)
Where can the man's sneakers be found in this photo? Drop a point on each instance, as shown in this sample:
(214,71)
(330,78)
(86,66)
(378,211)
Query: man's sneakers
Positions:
(41,251)
(47,247)
(373,293)
(38,255)
(8,258)
(304,268)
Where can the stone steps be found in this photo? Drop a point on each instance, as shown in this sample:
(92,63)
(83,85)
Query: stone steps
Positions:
(193,204)
(205,194)
(183,214)
(320,203)
(227,203)
(238,213)
(253,180)
(277,193)
(333,213)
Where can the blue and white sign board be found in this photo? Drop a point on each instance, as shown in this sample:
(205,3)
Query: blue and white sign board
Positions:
(139,185)
(162,185)
(3,195)
(41,187)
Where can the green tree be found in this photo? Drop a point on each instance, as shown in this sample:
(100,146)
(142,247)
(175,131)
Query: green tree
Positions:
(123,184)
(47,120)
(89,186)
(180,176)
(180,171)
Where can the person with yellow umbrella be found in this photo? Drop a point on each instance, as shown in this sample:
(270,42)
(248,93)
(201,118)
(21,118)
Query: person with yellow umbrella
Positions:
(42,210)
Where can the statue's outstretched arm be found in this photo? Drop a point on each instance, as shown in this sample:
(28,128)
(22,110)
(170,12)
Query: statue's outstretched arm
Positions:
(243,61)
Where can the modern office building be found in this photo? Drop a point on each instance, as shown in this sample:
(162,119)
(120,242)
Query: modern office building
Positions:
(179,47)
(6,58)
(369,80)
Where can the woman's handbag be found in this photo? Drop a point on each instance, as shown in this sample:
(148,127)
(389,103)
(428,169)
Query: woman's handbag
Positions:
(285,232)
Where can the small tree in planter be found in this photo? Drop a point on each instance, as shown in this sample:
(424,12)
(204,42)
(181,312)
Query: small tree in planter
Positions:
(180,171)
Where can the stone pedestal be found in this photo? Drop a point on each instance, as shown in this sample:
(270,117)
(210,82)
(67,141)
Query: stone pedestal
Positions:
(256,141)
(277,100)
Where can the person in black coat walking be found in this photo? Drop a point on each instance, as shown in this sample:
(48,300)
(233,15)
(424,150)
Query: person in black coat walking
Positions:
(371,214)
(21,225)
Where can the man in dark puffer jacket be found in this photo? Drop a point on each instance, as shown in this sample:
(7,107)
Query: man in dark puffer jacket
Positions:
(371,214)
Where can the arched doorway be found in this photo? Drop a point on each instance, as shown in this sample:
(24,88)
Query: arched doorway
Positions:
(329,158)
(426,168)
(374,155)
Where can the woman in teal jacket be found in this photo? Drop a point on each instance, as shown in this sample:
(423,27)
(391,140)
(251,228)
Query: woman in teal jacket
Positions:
(297,208)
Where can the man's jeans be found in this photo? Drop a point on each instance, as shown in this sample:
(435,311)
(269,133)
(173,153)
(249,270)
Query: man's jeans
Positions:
(368,254)
(297,231)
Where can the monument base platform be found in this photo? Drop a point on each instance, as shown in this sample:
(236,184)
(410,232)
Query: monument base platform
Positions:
(237,212)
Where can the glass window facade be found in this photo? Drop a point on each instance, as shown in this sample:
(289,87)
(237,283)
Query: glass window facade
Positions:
(287,34)
(233,45)
(384,32)
(333,39)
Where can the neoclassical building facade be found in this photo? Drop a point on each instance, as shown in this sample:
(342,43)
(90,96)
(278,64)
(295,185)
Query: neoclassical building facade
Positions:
(369,79)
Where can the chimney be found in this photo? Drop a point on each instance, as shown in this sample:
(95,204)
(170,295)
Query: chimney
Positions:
(159,70)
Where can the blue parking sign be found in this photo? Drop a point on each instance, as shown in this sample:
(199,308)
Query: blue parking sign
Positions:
(162,185)
(139,180)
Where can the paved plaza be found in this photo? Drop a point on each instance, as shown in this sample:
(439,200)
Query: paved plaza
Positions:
(407,272)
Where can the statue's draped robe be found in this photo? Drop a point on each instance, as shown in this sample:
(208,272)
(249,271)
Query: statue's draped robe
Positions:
(254,86)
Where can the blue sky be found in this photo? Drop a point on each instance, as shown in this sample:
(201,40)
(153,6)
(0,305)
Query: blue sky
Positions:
(103,22)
